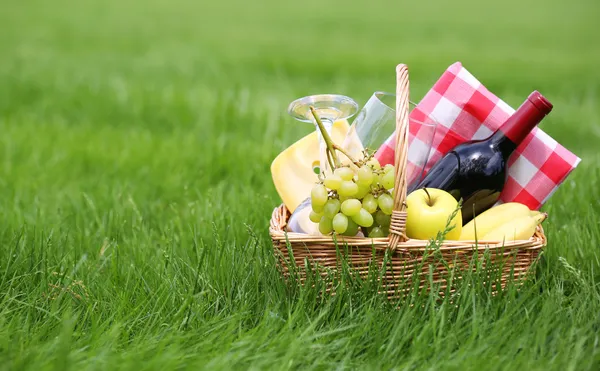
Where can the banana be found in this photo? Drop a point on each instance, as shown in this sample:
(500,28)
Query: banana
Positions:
(518,229)
(493,218)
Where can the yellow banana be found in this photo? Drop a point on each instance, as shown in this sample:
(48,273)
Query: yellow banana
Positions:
(493,218)
(521,228)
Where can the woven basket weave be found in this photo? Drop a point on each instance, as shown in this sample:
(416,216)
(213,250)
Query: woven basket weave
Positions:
(404,257)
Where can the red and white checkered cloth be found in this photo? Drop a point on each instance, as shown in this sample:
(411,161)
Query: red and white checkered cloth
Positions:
(466,110)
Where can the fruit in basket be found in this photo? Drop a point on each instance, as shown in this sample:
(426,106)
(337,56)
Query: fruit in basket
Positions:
(357,193)
(521,228)
(364,176)
(333,181)
(325,225)
(340,223)
(344,172)
(351,207)
(377,232)
(492,218)
(314,217)
(363,218)
(318,195)
(386,203)
(331,208)
(387,180)
(348,189)
(428,211)
(352,229)
(354,196)
(369,203)
(382,219)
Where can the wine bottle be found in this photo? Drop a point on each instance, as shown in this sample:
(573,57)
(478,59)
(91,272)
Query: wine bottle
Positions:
(476,170)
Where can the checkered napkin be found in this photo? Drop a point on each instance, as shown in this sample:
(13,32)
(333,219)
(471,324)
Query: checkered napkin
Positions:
(466,110)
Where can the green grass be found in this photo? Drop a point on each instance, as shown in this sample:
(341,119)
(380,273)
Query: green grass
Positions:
(134,169)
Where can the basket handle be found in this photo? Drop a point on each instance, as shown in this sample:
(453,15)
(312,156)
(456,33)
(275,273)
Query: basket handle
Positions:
(398,222)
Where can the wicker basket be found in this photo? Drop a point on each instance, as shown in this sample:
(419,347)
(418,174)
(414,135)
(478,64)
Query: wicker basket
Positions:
(404,258)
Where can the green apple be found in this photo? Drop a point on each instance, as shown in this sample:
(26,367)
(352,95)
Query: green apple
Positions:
(428,212)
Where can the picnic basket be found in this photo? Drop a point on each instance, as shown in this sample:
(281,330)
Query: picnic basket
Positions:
(404,257)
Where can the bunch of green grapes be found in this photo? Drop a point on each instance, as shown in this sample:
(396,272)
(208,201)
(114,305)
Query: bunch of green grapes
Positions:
(355,196)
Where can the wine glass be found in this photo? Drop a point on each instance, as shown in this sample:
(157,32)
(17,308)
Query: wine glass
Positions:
(375,126)
(329,108)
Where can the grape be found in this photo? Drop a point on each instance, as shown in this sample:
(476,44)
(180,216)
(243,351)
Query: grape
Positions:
(374,163)
(344,172)
(332,207)
(387,180)
(333,181)
(376,232)
(386,231)
(352,228)
(363,218)
(318,195)
(351,207)
(369,203)
(387,168)
(364,175)
(386,203)
(340,223)
(348,189)
(317,208)
(362,191)
(376,180)
(382,219)
(325,225)
(314,217)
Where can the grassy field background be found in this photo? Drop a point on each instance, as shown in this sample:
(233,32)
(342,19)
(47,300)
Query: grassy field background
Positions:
(135,192)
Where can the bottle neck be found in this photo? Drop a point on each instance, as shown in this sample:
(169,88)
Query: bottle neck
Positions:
(521,123)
